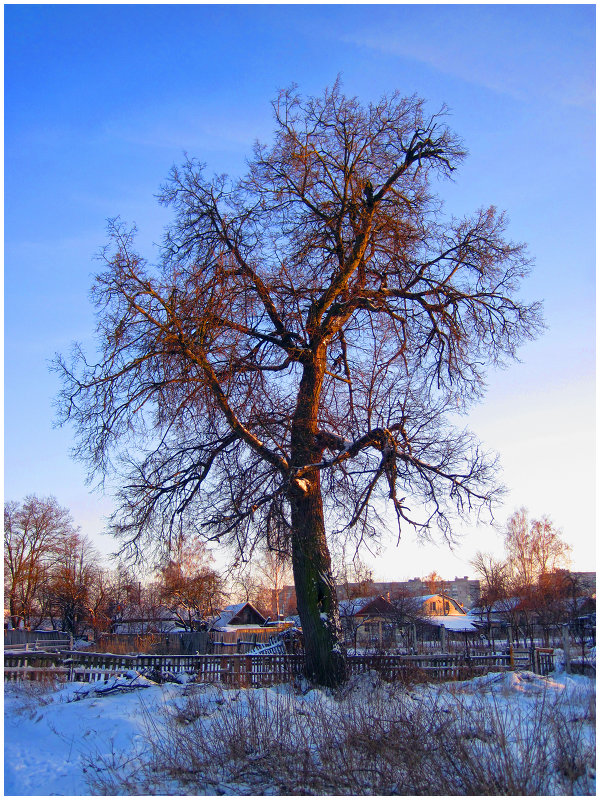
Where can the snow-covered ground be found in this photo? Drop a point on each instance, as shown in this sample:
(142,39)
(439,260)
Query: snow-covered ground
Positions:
(67,740)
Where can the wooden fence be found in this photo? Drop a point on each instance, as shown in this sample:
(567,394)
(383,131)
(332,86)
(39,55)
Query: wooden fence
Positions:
(16,638)
(176,643)
(243,641)
(254,670)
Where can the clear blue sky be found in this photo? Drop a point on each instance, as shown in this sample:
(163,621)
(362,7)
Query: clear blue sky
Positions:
(100,101)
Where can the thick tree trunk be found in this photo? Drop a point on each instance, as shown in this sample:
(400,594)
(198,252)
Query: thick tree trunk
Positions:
(315,589)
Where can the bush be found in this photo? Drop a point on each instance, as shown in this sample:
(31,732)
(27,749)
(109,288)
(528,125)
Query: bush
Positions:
(372,739)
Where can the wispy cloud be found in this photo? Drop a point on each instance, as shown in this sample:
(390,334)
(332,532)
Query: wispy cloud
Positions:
(492,50)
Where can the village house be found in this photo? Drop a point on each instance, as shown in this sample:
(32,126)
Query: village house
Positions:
(379,622)
(368,621)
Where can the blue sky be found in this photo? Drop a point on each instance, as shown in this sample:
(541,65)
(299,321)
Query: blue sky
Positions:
(100,101)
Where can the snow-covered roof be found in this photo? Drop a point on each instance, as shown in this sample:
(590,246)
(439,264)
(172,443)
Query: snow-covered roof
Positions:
(230,612)
(455,622)
(247,627)
(349,608)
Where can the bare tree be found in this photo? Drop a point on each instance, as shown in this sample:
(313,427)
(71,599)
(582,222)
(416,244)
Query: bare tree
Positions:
(189,586)
(494,593)
(528,586)
(101,600)
(298,352)
(273,570)
(533,549)
(70,580)
(33,533)
(353,578)
(407,615)
(434,582)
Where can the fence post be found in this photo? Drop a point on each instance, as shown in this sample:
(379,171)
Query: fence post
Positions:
(413,636)
(443,637)
(566,648)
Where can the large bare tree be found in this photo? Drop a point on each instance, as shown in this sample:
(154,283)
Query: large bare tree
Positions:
(35,531)
(300,348)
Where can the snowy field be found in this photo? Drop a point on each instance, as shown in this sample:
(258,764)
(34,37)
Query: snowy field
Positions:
(134,737)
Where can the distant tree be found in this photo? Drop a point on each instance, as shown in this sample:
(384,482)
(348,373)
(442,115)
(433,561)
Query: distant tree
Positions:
(350,618)
(580,607)
(408,612)
(69,585)
(34,532)
(533,549)
(434,583)
(273,570)
(300,351)
(189,586)
(101,595)
(353,577)
(528,586)
(494,594)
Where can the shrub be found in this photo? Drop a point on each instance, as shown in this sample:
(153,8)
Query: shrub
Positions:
(372,739)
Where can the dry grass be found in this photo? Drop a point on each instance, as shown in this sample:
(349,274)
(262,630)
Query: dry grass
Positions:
(384,741)
(122,646)
(34,694)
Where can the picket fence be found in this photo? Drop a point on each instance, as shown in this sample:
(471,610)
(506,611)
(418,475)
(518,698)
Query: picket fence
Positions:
(255,670)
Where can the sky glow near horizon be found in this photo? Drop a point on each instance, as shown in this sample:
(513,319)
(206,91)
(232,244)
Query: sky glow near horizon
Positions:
(100,102)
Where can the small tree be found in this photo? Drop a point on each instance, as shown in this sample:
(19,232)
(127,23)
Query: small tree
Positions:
(528,586)
(102,593)
(494,590)
(434,583)
(301,347)
(408,613)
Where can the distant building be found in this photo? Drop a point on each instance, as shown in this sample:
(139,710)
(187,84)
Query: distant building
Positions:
(465,591)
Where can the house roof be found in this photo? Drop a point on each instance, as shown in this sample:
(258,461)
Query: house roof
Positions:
(230,613)
(453,623)
(446,598)
(365,605)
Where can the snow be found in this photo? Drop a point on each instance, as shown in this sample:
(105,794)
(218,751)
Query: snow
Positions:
(58,739)
(49,738)
(453,623)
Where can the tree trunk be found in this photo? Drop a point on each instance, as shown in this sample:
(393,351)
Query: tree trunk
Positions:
(315,588)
